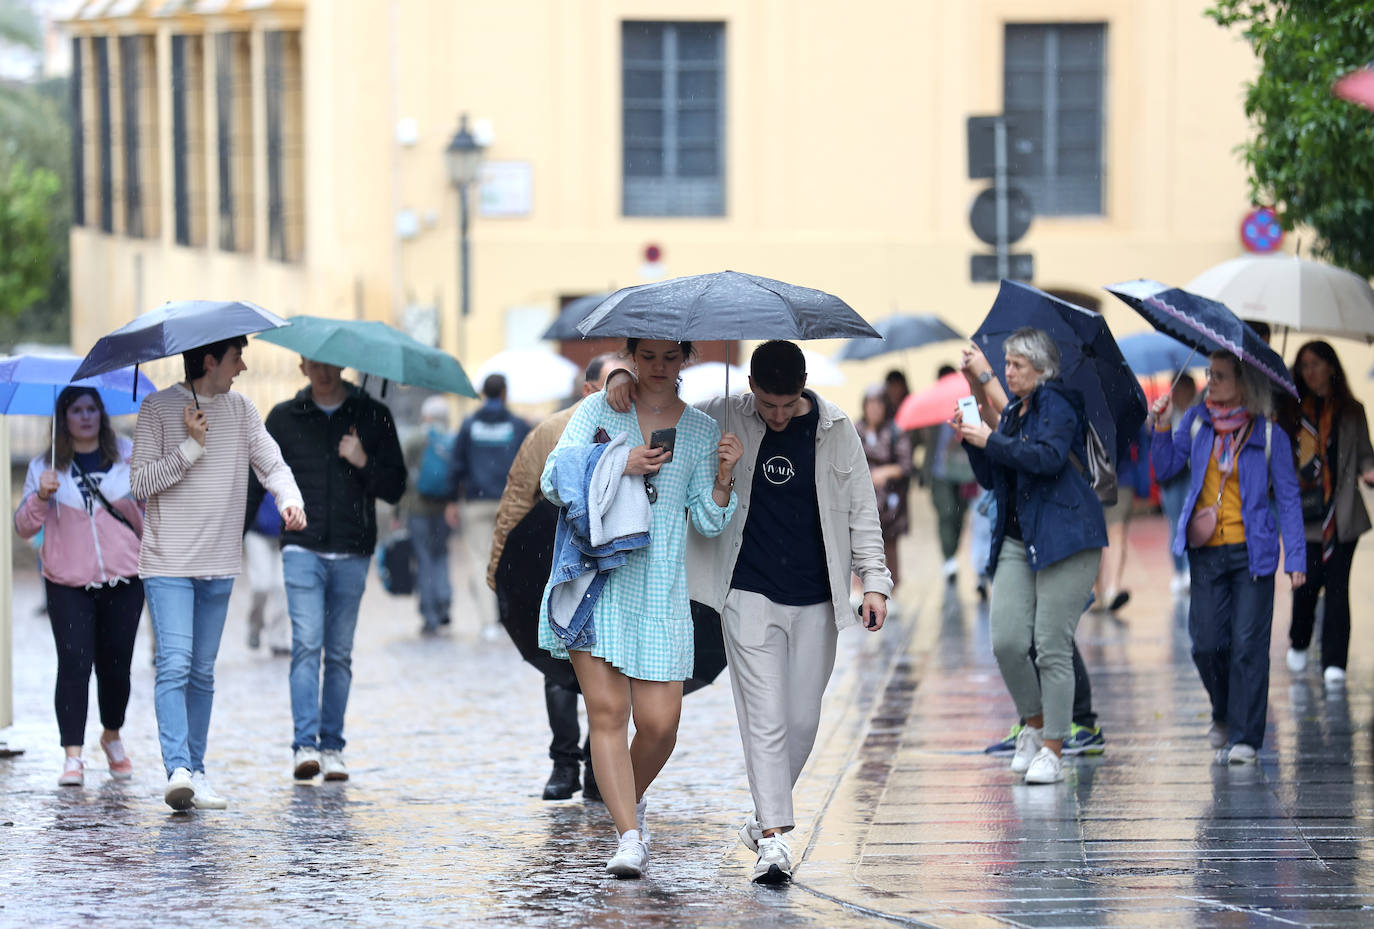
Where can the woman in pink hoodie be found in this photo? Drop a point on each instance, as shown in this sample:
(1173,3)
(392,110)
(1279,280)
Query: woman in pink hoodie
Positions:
(91,528)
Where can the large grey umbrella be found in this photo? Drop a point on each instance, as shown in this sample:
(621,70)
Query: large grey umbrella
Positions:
(900,333)
(174,328)
(565,326)
(724,306)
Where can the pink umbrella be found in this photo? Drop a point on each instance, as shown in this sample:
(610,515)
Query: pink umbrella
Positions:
(1357,87)
(933,405)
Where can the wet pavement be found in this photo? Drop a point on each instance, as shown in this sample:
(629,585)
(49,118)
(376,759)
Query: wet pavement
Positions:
(902,818)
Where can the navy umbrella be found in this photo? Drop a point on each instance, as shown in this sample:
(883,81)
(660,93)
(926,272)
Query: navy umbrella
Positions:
(1090,361)
(174,328)
(565,326)
(1202,324)
(726,305)
(1154,352)
(899,333)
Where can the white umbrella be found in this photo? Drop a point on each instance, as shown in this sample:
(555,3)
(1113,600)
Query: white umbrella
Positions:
(1308,296)
(533,375)
(821,371)
(707,379)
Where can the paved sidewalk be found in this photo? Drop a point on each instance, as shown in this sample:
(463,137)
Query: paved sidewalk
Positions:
(922,828)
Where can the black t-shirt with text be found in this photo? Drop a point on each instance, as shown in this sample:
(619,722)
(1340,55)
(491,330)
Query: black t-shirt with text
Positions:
(782,554)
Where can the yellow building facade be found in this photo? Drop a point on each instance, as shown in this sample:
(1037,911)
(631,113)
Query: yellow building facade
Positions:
(290,152)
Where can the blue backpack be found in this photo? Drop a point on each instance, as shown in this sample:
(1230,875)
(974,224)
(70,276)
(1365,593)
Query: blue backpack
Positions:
(433,480)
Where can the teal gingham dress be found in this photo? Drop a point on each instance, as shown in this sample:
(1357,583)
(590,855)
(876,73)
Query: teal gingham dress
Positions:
(643,621)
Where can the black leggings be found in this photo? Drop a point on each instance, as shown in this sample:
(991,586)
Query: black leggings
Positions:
(93,628)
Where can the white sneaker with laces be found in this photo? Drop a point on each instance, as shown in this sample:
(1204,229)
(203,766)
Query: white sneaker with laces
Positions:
(1217,734)
(72,772)
(750,834)
(640,807)
(1334,676)
(205,797)
(631,857)
(1240,753)
(180,792)
(305,763)
(775,861)
(1045,768)
(332,764)
(1297,660)
(1029,741)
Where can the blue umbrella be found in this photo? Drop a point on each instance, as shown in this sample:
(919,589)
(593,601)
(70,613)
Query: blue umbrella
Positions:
(899,333)
(1090,360)
(1154,352)
(565,326)
(1204,325)
(174,328)
(29,385)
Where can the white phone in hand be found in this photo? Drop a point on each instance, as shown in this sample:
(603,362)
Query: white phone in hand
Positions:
(968,409)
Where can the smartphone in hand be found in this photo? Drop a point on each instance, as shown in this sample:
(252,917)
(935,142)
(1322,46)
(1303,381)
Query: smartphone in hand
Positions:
(968,409)
(664,439)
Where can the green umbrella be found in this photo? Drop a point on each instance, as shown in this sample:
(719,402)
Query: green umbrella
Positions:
(372,348)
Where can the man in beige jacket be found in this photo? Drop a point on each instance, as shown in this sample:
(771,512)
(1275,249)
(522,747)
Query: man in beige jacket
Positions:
(520,497)
(779,575)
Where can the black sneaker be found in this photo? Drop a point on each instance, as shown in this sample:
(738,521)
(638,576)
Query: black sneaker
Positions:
(562,783)
(589,788)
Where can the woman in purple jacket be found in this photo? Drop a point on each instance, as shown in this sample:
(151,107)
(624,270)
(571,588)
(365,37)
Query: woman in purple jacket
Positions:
(1237,457)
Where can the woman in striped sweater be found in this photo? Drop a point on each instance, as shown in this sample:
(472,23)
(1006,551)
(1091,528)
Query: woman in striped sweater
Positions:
(193,446)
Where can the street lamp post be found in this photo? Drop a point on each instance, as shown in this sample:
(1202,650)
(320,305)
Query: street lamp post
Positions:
(463,158)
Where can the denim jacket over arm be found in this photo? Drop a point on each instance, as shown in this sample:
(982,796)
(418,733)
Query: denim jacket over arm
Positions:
(1171,452)
(1029,460)
(580,569)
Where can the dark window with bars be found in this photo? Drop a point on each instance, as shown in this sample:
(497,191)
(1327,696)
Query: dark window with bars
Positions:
(285,181)
(130,75)
(673,126)
(1053,95)
(234,140)
(188,139)
(78,137)
(224,140)
(101,52)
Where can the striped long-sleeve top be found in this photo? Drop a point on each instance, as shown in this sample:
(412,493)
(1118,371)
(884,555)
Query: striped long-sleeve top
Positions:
(196,494)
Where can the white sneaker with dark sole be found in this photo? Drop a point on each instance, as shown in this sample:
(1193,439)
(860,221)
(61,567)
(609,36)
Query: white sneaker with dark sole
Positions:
(305,763)
(332,764)
(205,797)
(180,790)
(630,858)
(775,861)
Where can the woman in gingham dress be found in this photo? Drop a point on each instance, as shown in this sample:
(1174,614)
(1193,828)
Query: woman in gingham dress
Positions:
(643,649)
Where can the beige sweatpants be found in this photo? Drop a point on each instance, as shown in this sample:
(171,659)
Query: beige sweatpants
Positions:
(478,524)
(780,661)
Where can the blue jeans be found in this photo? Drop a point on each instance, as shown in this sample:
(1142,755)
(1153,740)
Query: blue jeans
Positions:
(322,596)
(430,537)
(1172,495)
(1230,618)
(188,619)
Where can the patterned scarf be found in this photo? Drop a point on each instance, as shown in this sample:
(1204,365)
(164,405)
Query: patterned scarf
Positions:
(1228,423)
(1314,468)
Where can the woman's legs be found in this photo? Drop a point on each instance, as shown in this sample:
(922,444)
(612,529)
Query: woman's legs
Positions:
(1061,590)
(1210,613)
(606,693)
(657,709)
(1336,616)
(1011,621)
(119,609)
(71,610)
(1304,615)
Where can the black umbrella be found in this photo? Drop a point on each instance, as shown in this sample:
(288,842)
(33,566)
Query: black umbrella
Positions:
(901,332)
(520,575)
(565,326)
(724,306)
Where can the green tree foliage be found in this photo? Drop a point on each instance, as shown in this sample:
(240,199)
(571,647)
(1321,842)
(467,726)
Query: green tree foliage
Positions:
(1312,156)
(26,195)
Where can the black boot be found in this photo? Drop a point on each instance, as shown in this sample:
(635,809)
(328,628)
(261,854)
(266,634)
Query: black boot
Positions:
(562,783)
(589,789)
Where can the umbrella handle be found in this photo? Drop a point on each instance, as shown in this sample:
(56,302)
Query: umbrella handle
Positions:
(1182,368)
(52,451)
(135,396)
(727,388)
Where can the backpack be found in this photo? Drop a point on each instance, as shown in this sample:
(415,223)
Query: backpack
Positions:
(433,480)
(1099,470)
(396,564)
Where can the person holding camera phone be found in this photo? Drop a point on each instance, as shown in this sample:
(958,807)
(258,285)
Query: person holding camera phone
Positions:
(779,577)
(641,648)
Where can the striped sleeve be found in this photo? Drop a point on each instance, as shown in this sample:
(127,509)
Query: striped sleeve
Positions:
(265,456)
(151,471)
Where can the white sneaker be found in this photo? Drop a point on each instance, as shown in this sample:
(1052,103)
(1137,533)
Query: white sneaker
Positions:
(307,763)
(750,834)
(775,861)
(1045,768)
(1334,676)
(1029,741)
(1240,753)
(1297,660)
(180,792)
(631,857)
(205,797)
(332,763)
(1217,734)
(72,772)
(640,807)
(951,569)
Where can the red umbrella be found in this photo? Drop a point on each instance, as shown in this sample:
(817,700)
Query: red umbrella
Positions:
(933,405)
(1357,87)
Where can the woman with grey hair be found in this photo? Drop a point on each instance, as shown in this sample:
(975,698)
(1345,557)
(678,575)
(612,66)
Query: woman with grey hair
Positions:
(1046,543)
